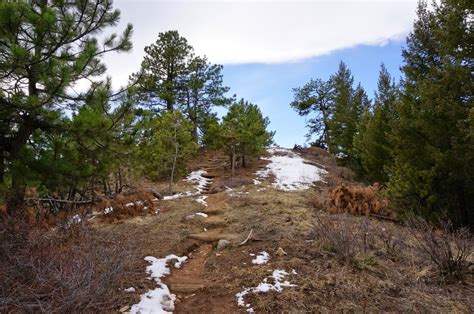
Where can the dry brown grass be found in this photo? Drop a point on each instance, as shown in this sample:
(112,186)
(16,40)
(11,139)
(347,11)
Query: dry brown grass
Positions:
(80,270)
(356,200)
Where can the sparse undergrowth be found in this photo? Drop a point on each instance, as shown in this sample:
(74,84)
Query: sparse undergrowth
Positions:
(74,270)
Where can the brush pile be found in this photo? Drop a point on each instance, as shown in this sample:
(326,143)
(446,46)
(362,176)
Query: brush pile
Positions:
(122,206)
(356,200)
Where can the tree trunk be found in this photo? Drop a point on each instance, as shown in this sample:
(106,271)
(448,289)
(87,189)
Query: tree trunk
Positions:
(175,157)
(2,168)
(232,162)
(15,198)
(17,190)
(243,161)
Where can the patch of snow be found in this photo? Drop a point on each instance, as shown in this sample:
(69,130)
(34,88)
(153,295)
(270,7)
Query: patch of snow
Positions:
(262,258)
(159,300)
(202,200)
(75,219)
(131,289)
(108,210)
(256,182)
(290,171)
(129,204)
(200,182)
(202,215)
(198,178)
(277,277)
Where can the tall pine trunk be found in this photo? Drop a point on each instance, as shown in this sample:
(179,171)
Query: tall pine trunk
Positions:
(175,157)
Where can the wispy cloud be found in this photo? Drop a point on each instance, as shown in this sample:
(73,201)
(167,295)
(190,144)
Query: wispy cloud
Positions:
(230,32)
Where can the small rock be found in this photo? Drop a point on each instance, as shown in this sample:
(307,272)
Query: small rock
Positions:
(167,303)
(190,217)
(280,252)
(222,244)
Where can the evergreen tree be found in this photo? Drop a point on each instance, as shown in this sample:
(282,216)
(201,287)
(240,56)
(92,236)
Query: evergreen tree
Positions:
(432,171)
(315,97)
(204,89)
(244,132)
(342,125)
(45,48)
(163,71)
(371,144)
(166,145)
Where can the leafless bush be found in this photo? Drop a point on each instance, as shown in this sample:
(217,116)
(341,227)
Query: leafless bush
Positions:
(41,270)
(392,243)
(447,249)
(338,238)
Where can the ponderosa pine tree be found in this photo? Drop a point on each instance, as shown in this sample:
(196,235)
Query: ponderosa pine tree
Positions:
(166,145)
(315,98)
(244,132)
(45,48)
(204,89)
(433,161)
(371,144)
(163,72)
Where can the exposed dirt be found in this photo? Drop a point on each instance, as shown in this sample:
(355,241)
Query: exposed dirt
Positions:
(371,276)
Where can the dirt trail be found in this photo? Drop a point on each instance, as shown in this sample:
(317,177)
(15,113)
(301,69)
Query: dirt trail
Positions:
(194,291)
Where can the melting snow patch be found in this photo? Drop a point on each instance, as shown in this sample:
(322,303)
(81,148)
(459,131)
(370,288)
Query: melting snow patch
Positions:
(131,289)
(75,219)
(202,200)
(261,258)
(290,171)
(108,210)
(202,215)
(159,300)
(256,182)
(277,276)
(200,182)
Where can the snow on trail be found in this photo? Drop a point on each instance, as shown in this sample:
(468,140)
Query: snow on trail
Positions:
(290,171)
(159,300)
(262,258)
(196,177)
(277,277)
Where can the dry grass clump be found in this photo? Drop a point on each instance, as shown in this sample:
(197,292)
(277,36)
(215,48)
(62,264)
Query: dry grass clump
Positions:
(51,271)
(448,249)
(125,206)
(356,200)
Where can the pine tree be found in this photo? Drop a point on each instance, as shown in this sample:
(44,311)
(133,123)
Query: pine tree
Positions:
(45,48)
(164,68)
(315,98)
(432,171)
(204,89)
(341,130)
(244,132)
(371,144)
(166,145)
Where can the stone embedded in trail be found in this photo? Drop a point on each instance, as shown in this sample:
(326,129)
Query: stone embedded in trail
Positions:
(222,244)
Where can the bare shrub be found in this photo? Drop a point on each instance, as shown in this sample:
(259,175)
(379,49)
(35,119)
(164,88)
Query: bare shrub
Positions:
(446,248)
(356,200)
(393,244)
(338,238)
(47,271)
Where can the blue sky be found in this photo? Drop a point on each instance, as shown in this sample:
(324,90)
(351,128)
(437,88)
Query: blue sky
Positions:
(269,85)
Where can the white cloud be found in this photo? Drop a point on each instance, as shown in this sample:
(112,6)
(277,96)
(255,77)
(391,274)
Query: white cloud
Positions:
(246,31)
